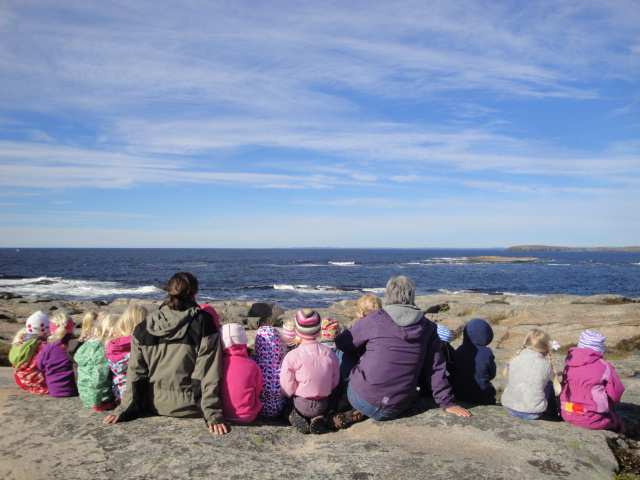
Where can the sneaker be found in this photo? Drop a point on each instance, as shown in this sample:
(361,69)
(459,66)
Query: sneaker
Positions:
(318,425)
(299,422)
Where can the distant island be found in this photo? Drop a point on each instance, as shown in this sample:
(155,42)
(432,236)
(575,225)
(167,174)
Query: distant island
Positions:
(551,248)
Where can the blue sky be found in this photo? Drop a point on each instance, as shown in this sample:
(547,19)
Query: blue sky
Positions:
(347,124)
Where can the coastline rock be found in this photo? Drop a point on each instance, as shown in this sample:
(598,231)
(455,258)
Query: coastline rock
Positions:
(48,438)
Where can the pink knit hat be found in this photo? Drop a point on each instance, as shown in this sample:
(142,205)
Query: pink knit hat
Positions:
(307,324)
(68,327)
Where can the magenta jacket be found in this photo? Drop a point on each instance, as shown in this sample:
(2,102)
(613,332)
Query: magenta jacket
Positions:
(56,364)
(590,389)
(241,385)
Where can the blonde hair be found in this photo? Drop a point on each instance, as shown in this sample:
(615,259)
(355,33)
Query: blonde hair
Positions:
(19,336)
(60,319)
(129,320)
(88,325)
(538,341)
(366,304)
(107,327)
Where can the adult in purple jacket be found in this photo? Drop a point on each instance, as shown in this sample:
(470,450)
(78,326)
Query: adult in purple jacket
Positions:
(398,341)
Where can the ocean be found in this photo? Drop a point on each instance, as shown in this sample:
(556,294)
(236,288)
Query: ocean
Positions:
(308,277)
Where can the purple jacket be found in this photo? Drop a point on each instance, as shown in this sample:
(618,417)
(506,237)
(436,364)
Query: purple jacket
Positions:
(55,363)
(590,389)
(397,350)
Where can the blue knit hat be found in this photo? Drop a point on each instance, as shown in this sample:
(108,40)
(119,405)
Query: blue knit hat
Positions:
(444,333)
(593,340)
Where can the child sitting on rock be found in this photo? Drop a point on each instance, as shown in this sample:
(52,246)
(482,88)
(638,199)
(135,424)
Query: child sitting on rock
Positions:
(241,379)
(54,360)
(268,352)
(591,387)
(445,336)
(288,333)
(328,331)
(365,305)
(530,375)
(25,347)
(118,348)
(308,375)
(475,365)
(94,375)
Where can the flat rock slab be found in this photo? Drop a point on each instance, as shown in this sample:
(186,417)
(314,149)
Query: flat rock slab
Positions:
(51,438)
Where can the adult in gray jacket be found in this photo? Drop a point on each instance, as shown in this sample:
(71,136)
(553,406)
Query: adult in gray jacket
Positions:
(175,364)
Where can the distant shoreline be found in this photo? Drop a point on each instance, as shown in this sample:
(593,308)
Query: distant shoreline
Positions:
(552,248)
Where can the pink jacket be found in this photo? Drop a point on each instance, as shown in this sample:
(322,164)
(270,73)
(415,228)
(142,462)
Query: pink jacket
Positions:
(241,385)
(311,371)
(118,348)
(590,388)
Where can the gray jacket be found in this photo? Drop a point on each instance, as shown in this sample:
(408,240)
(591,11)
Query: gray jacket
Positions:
(175,367)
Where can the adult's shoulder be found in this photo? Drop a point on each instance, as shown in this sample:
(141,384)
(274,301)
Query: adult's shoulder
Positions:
(202,323)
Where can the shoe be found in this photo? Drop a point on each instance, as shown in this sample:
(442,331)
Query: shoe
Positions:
(318,425)
(299,422)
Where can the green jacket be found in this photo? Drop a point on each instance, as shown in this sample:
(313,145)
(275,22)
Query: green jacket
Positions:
(175,367)
(21,353)
(94,374)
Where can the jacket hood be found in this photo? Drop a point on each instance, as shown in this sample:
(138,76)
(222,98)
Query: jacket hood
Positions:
(170,324)
(238,350)
(404,315)
(478,332)
(120,345)
(582,356)
(412,331)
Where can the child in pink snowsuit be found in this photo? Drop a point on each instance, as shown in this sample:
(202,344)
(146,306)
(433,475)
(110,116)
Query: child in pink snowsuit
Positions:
(591,387)
(242,378)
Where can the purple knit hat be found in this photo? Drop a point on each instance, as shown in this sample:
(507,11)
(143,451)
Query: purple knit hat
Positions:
(593,340)
(308,324)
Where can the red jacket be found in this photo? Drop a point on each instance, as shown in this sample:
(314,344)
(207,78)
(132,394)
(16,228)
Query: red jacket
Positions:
(241,385)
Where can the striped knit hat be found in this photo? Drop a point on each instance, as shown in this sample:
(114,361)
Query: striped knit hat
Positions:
(444,333)
(593,340)
(307,323)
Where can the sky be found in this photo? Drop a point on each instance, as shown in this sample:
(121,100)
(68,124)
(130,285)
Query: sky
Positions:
(319,124)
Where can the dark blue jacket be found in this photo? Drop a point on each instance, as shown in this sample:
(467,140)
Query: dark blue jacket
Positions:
(475,365)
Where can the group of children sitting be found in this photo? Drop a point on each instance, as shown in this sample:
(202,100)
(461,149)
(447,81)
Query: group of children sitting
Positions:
(297,371)
(43,360)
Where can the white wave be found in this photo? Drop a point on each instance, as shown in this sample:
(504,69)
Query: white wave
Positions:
(342,264)
(374,290)
(512,294)
(294,265)
(64,287)
(456,292)
(322,289)
(559,264)
(638,263)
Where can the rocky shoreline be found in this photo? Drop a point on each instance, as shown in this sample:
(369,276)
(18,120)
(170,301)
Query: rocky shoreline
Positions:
(489,445)
(511,316)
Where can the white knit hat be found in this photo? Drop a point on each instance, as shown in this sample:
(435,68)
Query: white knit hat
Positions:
(37,323)
(233,334)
